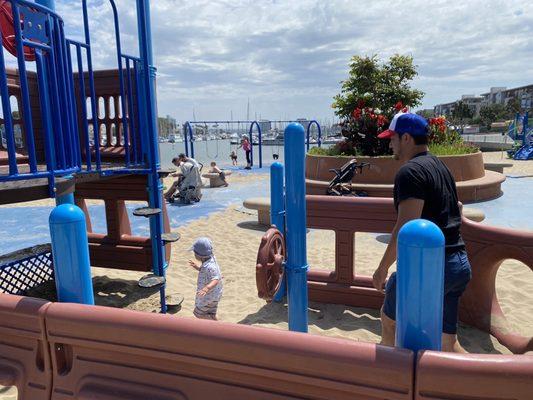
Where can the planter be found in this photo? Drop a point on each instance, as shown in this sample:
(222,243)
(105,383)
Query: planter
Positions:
(474,183)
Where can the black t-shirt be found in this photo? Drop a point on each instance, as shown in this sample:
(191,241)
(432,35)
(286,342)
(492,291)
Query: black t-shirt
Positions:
(426,177)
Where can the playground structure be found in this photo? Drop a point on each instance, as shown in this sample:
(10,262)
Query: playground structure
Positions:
(523,140)
(74,134)
(188,134)
(71,351)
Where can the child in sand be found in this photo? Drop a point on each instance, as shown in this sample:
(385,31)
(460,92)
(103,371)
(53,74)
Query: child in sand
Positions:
(216,170)
(233,157)
(209,286)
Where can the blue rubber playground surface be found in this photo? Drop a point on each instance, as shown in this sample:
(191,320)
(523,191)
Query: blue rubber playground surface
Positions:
(22,227)
(27,226)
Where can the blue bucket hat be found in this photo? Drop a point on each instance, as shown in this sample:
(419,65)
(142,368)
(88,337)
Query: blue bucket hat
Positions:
(202,247)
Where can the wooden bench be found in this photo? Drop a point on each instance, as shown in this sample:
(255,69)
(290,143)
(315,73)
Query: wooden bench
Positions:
(262,205)
(214,178)
(497,166)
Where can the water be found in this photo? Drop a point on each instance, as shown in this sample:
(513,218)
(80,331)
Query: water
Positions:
(219,151)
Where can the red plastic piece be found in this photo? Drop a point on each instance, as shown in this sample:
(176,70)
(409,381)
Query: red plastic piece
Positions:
(473,376)
(269,268)
(24,356)
(120,354)
(7,25)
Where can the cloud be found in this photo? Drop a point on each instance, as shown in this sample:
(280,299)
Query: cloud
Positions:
(288,57)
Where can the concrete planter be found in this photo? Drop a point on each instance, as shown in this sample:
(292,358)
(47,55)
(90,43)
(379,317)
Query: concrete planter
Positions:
(474,183)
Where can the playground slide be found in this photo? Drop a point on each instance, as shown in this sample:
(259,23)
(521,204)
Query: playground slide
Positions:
(524,153)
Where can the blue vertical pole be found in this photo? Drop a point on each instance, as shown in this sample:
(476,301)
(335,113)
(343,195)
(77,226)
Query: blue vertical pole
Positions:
(185,140)
(420,286)
(277,212)
(260,147)
(68,198)
(251,144)
(155,186)
(70,249)
(296,266)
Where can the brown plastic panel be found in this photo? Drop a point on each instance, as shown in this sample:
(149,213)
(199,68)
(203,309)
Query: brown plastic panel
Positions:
(487,248)
(346,216)
(140,356)
(118,248)
(447,376)
(24,357)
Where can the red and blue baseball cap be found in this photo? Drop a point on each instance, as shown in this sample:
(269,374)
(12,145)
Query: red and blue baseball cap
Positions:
(413,124)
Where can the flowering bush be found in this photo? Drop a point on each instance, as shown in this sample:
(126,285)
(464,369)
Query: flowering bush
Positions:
(364,124)
(371,96)
(440,133)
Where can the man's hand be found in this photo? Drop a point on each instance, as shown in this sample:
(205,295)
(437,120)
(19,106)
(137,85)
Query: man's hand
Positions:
(202,292)
(193,264)
(379,278)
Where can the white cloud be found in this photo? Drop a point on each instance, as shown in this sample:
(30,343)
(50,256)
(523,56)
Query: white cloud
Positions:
(289,56)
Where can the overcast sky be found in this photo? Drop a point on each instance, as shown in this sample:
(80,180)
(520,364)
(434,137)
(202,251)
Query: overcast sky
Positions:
(288,57)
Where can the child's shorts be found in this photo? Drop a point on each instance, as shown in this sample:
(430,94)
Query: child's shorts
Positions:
(207,311)
(457,274)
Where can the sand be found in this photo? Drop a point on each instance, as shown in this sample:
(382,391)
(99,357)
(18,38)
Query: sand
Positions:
(236,236)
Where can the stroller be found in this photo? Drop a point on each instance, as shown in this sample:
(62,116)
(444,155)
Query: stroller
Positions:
(340,185)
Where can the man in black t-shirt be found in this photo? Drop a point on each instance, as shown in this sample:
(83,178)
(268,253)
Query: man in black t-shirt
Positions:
(423,188)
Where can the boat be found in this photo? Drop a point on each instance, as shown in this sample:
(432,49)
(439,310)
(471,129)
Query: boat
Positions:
(235,138)
(333,139)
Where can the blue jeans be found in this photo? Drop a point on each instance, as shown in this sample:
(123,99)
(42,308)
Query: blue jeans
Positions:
(457,274)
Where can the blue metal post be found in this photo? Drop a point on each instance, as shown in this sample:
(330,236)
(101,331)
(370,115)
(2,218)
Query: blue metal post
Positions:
(251,143)
(70,249)
(69,198)
(420,286)
(296,267)
(277,212)
(186,142)
(260,147)
(187,130)
(155,186)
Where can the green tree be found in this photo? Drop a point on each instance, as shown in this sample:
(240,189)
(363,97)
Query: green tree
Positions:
(493,113)
(513,107)
(427,114)
(461,114)
(371,95)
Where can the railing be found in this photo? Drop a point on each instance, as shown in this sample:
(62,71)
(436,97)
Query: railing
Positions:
(55,128)
(188,134)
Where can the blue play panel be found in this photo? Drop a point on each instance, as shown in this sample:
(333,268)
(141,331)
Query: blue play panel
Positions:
(26,226)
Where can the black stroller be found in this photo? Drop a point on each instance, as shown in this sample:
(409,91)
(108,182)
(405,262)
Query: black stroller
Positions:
(340,185)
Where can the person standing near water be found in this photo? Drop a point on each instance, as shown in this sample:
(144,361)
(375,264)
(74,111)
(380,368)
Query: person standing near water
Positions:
(247,147)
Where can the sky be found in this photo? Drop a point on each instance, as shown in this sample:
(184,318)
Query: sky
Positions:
(288,58)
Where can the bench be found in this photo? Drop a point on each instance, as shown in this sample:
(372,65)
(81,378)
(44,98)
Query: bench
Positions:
(497,166)
(214,178)
(262,205)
